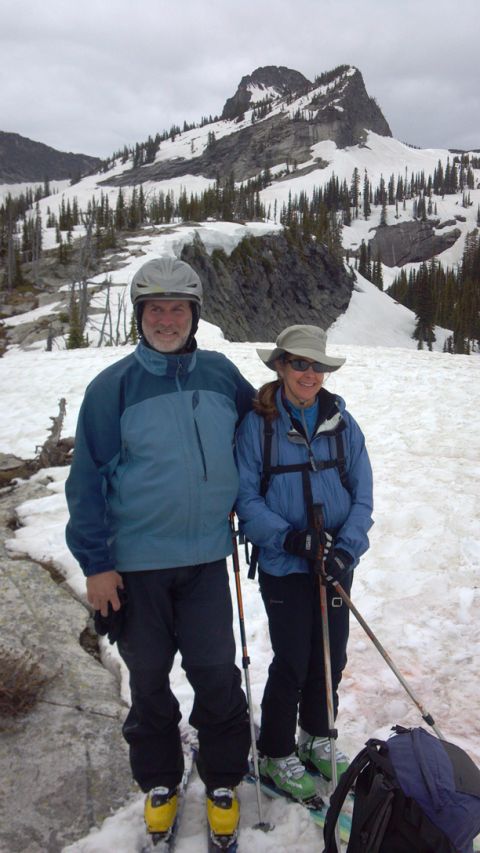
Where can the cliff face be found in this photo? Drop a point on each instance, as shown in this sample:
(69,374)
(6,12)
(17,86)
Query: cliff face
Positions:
(268,283)
(294,115)
(345,110)
(408,242)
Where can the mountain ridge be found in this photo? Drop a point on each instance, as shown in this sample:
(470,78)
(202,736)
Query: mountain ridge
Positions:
(23,160)
(282,127)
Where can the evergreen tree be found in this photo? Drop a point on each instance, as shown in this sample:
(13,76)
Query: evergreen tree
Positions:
(76,338)
(424,309)
(366,197)
(363,260)
(120,212)
(377,273)
(383,214)
(355,191)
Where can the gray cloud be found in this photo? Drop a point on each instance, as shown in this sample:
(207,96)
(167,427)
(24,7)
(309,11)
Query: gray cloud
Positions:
(92,77)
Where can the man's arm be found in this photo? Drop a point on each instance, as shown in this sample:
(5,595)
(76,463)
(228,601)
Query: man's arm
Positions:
(97,446)
(245,396)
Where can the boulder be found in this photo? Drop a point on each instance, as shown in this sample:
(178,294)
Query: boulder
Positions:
(408,242)
(64,764)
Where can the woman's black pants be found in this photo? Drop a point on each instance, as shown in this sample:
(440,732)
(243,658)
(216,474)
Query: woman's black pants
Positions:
(296,677)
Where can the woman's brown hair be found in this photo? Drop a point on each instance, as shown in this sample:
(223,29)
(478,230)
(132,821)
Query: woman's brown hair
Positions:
(264,404)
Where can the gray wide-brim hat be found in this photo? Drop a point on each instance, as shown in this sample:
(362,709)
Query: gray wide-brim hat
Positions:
(306,341)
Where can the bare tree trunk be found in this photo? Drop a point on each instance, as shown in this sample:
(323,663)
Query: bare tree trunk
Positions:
(106,314)
(49,452)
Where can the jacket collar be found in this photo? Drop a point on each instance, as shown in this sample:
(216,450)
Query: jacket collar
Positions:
(330,414)
(171,365)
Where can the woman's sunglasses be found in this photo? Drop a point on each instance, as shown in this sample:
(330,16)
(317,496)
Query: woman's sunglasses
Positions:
(302,365)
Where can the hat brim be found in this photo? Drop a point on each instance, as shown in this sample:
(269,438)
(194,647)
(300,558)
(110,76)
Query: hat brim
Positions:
(269,357)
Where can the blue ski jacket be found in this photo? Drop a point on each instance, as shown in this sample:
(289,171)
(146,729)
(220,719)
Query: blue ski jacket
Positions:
(347,510)
(153,476)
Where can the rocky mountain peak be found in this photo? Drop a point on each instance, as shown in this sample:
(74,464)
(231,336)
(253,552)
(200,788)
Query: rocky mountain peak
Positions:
(269,81)
(339,101)
(289,115)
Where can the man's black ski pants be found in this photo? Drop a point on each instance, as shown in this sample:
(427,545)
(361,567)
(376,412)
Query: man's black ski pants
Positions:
(189,610)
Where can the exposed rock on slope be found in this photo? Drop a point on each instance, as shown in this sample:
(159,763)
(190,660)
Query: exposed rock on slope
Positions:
(335,107)
(408,242)
(270,80)
(64,765)
(268,283)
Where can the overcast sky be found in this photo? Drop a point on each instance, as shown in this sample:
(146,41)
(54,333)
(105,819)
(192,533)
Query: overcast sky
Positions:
(90,76)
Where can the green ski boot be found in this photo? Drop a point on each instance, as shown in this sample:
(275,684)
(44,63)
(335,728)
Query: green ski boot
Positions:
(314,752)
(290,776)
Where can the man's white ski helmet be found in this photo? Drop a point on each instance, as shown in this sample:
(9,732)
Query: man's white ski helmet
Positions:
(166,278)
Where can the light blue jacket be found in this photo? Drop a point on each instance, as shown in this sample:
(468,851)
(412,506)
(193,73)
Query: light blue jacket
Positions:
(153,476)
(348,511)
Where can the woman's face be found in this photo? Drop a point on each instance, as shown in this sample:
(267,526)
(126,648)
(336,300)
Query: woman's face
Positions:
(301,386)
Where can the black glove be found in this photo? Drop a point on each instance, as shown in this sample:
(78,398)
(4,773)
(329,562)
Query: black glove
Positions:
(307,543)
(111,624)
(338,565)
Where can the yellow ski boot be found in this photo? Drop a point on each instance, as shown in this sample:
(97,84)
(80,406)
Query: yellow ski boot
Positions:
(159,812)
(223,813)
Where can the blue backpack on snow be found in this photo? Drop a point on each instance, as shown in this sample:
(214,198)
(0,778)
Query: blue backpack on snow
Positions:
(414,793)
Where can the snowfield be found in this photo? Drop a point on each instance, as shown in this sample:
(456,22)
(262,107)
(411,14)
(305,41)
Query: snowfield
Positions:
(417,587)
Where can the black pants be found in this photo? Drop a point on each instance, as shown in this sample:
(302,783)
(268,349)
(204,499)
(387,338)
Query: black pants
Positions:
(186,609)
(296,677)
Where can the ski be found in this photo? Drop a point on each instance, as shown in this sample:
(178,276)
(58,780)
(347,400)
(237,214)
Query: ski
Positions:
(230,845)
(190,749)
(317,810)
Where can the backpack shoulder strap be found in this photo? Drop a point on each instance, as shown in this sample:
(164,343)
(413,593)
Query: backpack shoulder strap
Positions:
(341,462)
(347,781)
(267,455)
(264,482)
(303,468)
(370,754)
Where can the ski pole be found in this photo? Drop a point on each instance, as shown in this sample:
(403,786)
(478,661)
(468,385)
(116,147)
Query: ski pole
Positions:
(425,714)
(263,825)
(319,569)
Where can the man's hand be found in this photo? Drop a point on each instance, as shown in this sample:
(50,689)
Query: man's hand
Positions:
(102,589)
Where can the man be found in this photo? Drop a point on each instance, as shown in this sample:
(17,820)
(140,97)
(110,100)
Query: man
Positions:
(152,482)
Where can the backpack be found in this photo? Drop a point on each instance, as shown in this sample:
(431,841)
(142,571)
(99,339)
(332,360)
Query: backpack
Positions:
(413,794)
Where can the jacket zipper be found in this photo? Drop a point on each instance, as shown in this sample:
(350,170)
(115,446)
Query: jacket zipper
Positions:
(202,453)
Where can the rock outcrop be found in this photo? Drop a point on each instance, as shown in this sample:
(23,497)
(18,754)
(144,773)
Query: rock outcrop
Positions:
(408,242)
(270,81)
(64,764)
(268,283)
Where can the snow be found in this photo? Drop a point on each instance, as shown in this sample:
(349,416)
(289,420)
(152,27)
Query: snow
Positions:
(259,93)
(417,587)
(379,155)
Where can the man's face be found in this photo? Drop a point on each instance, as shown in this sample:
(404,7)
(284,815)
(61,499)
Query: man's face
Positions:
(166,323)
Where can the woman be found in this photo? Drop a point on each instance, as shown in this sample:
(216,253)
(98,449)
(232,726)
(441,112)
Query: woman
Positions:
(317,493)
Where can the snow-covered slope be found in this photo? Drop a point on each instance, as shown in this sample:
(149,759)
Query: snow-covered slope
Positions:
(378,156)
(418,586)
